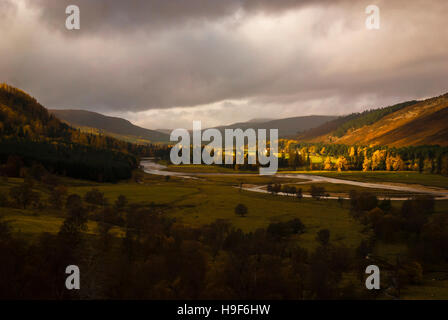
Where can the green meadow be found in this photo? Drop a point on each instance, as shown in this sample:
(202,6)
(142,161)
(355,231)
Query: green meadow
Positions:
(201,201)
(406,177)
(195,202)
(345,189)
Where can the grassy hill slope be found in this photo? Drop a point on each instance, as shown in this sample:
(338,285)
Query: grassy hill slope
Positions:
(286,127)
(410,123)
(118,127)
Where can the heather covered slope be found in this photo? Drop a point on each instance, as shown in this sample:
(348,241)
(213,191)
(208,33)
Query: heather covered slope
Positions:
(411,124)
(426,130)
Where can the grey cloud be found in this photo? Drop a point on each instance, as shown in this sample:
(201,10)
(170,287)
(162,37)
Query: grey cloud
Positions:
(316,59)
(7,8)
(116,16)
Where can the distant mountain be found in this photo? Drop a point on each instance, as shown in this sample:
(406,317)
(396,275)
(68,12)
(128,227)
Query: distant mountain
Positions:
(405,124)
(117,127)
(165,131)
(287,127)
(259,120)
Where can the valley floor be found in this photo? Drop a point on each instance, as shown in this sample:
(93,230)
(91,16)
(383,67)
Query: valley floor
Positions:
(196,202)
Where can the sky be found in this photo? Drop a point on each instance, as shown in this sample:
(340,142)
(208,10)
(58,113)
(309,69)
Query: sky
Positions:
(165,63)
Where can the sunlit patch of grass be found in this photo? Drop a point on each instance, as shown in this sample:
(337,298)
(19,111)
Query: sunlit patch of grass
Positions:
(30,223)
(201,168)
(407,177)
(218,202)
(164,193)
(345,189)
(258,180)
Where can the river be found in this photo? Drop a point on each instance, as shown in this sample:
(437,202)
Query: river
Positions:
(151,167)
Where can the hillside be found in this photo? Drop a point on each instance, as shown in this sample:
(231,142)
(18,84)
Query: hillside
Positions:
(88,121)
(286,127)
(117,127)
(411,123)
(326,128)
(30,135)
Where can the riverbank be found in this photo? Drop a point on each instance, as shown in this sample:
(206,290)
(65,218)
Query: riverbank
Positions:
(151,167)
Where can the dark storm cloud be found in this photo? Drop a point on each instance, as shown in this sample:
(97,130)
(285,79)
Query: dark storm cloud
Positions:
(125,16)
(277,58)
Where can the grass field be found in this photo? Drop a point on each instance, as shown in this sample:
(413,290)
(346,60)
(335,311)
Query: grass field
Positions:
(218,202)
(158,193)
(196,202)
(30,224)
(199,168)
(345,189)
(257,180)
(407,177)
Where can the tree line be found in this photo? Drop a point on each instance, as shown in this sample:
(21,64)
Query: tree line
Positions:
(416,224)
(338,157)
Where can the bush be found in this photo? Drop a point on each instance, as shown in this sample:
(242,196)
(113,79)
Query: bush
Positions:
(3,200)
(323,236)
(95,197)
(299,194)
(241,210)
(362,201)
(285,229)
(24,195)
(317,192)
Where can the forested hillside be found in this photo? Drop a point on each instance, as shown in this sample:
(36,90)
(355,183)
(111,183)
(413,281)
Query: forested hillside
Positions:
(30,133)
(342,125)
(288,127)
(369,117)
(412,123)
(327,127)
